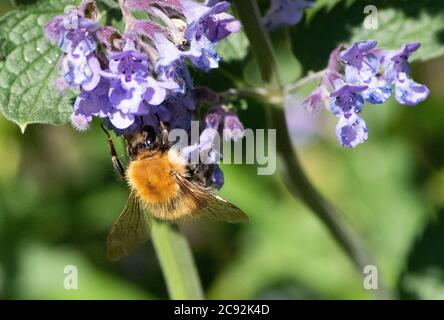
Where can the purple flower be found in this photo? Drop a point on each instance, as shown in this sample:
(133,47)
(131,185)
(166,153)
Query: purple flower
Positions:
(220,26)
(211,22)
(169,54)
(397,72)
(133,90)
(170,66)
(128,95)
(129,63)
(176,77)
(362,67)
(356,55)
(214,118)
(77,40)
(81,71)
(233,127)
(73,33)
(203,55)
(318,99)
(409,92)
(138,123)
(98,103)
(53,29)
(285,12)
(379,90)
(369,74)
(205,26)
(205,148)
(225,122)
(396,61)
(351,131)
(134,98)
(347,100)
(94,102)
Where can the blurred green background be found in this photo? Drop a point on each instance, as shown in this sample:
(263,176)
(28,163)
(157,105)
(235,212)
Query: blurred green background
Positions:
(59,197)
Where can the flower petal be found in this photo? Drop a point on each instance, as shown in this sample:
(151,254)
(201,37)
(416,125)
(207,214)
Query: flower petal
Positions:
(121,120)
(351,131)
(409,92)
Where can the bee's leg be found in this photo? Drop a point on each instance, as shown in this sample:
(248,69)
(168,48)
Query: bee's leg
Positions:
(114,157)
(163,136)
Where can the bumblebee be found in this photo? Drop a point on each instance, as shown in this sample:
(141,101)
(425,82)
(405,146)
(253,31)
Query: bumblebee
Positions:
(162,186)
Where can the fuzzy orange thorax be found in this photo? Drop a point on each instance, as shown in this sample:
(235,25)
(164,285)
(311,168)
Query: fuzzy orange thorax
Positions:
(153,178)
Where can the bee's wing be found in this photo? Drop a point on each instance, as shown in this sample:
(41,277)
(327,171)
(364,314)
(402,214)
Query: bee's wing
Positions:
(210,205)
(131,229)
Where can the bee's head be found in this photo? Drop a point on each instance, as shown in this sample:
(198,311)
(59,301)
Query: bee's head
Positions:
(146,140)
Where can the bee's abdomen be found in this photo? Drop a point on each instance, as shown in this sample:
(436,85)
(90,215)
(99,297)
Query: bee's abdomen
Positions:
(152,179)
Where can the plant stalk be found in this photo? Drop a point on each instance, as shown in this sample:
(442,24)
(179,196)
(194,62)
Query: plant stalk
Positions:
(249,14)
(176,261)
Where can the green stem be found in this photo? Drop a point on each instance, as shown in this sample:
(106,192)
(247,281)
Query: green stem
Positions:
(302,82)
(176,261)
(248,12)
(296,180)
(298,183)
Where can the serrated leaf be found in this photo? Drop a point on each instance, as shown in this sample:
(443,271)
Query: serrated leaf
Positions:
(397,27)
(29,67)
(234,47)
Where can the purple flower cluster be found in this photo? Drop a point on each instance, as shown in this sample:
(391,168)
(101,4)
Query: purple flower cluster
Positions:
(364,73)
(142,76)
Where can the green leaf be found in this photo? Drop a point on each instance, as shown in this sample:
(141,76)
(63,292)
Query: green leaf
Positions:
(289,68)
(399,21)
(28,67)
(422,22)
(234,47)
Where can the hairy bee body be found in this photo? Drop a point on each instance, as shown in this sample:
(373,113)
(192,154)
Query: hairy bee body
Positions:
(154,180)
(163,186)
